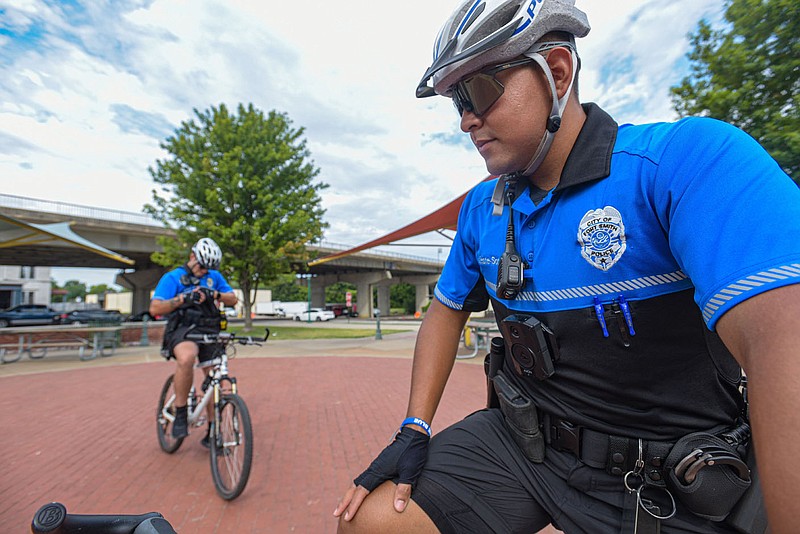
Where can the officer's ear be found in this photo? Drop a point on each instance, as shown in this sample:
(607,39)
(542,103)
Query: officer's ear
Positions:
(560,61)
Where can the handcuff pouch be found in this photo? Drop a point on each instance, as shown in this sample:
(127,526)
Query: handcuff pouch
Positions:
(707,475)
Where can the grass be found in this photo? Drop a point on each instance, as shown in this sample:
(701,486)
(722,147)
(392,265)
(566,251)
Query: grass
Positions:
(309,332)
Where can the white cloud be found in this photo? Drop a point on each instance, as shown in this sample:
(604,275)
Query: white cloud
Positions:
(86,98)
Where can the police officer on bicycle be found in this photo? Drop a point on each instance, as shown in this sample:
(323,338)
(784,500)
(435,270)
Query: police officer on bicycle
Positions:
(188,295)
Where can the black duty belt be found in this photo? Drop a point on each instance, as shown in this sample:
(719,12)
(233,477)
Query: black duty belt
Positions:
(615,454)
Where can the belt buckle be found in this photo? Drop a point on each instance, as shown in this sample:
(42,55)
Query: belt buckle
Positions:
(564,436)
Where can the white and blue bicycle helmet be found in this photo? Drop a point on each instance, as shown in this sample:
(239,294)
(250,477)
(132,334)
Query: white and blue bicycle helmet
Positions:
(207,253)
(480,33)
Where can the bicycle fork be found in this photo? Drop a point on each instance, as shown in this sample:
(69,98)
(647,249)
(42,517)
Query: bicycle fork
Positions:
(218,431)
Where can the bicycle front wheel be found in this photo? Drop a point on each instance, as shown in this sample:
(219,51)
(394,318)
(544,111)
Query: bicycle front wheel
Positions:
(165,415)
(231,447)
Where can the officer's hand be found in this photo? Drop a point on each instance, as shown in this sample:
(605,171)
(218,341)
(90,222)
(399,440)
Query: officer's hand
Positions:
(402,459)
(208,294)
(195,297)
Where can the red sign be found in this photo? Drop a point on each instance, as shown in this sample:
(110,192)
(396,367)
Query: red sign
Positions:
(348,299)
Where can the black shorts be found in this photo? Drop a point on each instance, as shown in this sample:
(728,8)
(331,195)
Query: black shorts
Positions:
(206,353)
(477,480)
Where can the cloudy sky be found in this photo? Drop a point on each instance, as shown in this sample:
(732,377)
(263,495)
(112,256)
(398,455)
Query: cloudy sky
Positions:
(88,89)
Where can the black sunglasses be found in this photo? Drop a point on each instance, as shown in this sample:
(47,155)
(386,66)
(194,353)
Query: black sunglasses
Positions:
(479,92)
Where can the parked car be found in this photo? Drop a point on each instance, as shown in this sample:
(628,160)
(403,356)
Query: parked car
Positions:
(139,317)
(91,316)
(29,315)
(337,309)
(315,314)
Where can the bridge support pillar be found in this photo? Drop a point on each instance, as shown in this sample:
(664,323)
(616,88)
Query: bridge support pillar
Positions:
(363,298)
(141,283)
(423,296)
(422,285)
(317,295)
(383,300)
(364,285)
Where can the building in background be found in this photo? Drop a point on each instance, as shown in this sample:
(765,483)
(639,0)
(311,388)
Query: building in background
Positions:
(23,284)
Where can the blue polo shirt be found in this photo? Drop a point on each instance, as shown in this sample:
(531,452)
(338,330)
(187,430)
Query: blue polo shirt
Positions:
(171,284)
(682,221)
(693,204)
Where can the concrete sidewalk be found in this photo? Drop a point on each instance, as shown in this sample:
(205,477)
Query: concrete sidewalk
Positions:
(83,433)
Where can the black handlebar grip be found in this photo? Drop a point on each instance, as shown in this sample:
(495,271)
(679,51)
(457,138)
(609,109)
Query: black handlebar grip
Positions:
(53,518)
(49,518)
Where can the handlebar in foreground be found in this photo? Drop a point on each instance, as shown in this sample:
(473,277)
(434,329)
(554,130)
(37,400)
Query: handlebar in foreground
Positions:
(53,518)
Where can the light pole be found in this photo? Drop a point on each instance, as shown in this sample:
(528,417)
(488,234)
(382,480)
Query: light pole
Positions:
(308,276)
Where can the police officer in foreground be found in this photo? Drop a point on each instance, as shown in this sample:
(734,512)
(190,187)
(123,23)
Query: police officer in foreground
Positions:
(189,295)
(634,271)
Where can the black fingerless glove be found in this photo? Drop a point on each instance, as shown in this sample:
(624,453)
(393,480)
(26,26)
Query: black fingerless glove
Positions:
(403,458)
(209,292)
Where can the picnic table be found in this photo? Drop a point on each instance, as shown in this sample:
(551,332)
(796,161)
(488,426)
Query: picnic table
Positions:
(36,340)
(478,335)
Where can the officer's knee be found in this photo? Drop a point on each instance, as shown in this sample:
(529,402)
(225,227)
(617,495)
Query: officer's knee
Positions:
(185,354)
(377,514)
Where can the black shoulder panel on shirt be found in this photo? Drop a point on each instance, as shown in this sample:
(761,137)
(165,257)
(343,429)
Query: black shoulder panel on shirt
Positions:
(478,298)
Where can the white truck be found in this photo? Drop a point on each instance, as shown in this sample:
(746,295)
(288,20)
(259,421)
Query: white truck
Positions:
(273,308)
(277,308)
(292,309)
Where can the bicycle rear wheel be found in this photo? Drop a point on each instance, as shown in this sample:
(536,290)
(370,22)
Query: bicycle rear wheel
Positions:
(231,447)
(165,415)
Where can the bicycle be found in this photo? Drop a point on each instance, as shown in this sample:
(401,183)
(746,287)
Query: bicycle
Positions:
(231,433)
(53,518)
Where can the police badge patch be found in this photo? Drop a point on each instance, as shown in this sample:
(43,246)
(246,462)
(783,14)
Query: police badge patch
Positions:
(602,237)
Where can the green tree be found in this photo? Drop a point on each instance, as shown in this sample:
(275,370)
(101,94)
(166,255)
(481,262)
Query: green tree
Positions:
(286,288)
(748,74)
(75,289)
(101,289)
(245,180)
(336,292)
(403,296)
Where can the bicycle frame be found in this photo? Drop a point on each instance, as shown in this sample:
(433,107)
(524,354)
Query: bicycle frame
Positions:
(211,385)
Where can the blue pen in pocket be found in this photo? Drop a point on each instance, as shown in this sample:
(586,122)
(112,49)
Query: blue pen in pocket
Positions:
(601,315)
(626,312)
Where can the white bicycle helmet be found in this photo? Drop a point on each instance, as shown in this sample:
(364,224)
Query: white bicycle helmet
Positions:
(207,253)
(485,32)
(480,33)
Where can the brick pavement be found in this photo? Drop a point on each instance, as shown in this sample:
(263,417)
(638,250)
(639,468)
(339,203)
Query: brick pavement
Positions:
(85,435)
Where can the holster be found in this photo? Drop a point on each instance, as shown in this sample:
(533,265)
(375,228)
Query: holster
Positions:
(519,412)
(492,363)
(521,418)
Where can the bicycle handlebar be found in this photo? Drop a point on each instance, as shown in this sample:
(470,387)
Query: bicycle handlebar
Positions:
(52,518)
(225,337)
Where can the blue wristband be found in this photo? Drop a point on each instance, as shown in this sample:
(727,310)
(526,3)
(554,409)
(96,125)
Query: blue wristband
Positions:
(416,421)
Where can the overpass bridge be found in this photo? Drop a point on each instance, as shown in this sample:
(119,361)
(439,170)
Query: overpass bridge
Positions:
(134,235)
